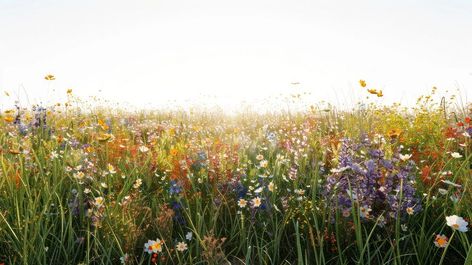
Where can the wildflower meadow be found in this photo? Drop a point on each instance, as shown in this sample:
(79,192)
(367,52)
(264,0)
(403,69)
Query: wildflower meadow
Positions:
(374,184)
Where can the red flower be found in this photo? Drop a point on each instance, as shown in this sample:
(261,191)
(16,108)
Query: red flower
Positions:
(467,120)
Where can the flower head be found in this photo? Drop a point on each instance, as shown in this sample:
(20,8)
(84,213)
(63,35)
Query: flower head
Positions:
(264,163)
(242,203)
(99,201)
(181,246)
(405,157)
(143,149)
(189,236)
(153,246)
(441,241)
(271,186)
(256,202)
(111,169)
(457,223)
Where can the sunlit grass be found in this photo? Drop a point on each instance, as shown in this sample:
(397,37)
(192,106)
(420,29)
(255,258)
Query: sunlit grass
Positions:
(371,185)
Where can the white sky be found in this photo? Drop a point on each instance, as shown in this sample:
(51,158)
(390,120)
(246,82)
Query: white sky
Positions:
(149,53)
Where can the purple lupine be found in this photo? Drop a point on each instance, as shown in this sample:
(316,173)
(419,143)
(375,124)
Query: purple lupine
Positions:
(365,176)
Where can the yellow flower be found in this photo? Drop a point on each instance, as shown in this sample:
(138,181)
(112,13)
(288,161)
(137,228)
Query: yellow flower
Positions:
(69,91)
(372,91)
(153,246)
(394,133)
(50,77)
(104,137)
(111,169)
(271,186)
(103,125)
(362,83)
(9,118)
(99,201)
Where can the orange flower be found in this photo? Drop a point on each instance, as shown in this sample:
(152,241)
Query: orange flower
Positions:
(372,91)
(425,174)
(9,118)
(394,133)
(441,241)
(14,151)
(103,125)
(173,152)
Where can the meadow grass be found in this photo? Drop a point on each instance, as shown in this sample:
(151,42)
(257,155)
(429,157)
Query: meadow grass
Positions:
(372,185)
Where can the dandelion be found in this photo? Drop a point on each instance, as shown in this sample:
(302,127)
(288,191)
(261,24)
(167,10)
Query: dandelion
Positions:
(256,202)
(456,155)
(457,223)
(181,246)
(441,241)
(242,203)
(153,246)
(362,83)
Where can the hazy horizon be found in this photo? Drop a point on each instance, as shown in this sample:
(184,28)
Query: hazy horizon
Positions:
(158,53)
